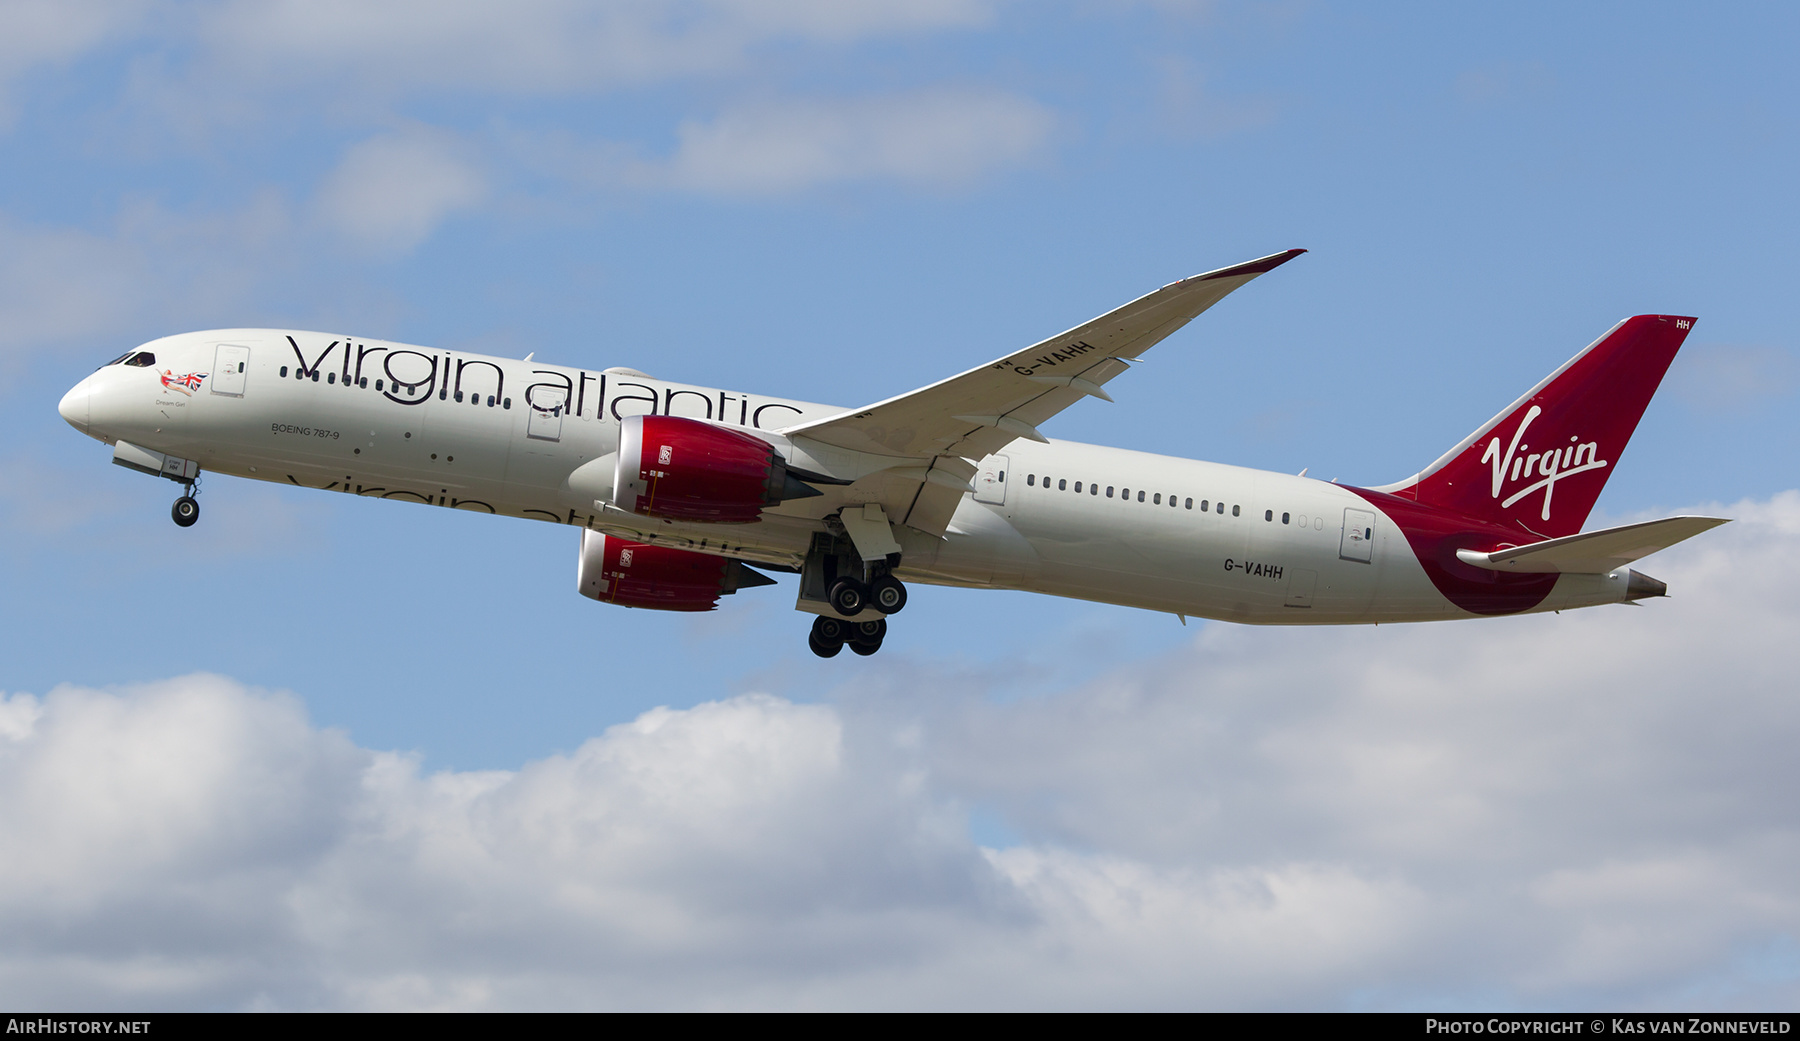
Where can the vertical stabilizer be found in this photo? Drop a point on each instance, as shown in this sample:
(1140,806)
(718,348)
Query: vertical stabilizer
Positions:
(1540,464)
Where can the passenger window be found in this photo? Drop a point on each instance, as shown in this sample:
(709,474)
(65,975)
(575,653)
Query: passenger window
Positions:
(363,383)
(1171,501)
(315,376)
(1093,489)
(1109,491)
(1268,515)
(1234,511)
(506,403)
(1077,487)
(284,372)
(1140,496)
(1221,509)
(1205,506)
(1190,504)
(377,384)
(1031,480)
(459,397)
(1003,477)
(1062,485)
(1284,518)
(490,401)
(331,377)
(1159,498)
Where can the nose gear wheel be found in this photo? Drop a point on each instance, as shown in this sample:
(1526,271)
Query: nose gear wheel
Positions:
(187,508)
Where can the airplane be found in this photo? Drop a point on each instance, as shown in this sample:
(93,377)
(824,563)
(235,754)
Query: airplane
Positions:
(686,493)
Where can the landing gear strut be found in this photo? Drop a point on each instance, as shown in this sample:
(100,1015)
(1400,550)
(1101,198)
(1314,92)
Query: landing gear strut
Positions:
(187,508)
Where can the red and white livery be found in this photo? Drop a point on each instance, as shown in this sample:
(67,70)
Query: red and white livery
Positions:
(682,492)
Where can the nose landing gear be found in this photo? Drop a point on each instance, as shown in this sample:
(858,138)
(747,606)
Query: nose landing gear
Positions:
(187,508)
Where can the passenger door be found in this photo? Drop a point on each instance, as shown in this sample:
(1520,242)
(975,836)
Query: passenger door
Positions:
(1359,534)
(230,369)
(990,481)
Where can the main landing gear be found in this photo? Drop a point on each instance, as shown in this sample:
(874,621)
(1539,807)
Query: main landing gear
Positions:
(830,635)
(849,597)
(886,594)
(844,577)
(187,508)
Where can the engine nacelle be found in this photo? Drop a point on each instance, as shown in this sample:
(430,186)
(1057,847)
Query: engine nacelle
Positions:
(686,469)
(617,571)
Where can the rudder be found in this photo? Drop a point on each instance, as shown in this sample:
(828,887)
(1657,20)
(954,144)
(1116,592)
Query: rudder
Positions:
(1541,463)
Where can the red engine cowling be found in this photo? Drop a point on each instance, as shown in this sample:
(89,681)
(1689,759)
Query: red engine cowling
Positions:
(616,571)
(684,469)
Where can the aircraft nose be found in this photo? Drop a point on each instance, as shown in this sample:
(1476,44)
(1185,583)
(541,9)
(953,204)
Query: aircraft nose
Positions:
(74,406)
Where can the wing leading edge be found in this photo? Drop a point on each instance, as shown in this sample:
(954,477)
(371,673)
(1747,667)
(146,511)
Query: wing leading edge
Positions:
(935,434)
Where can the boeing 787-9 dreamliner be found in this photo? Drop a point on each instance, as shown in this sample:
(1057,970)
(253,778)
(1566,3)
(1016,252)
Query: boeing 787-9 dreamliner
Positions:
(682,493)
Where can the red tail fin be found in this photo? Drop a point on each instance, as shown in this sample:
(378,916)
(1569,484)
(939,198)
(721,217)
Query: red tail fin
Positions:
(1540,464)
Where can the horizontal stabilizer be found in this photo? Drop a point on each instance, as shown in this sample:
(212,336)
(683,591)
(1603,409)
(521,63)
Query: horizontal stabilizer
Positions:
(1594,552)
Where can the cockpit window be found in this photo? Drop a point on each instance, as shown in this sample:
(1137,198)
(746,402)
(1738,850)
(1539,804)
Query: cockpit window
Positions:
(142,359)
(120,358)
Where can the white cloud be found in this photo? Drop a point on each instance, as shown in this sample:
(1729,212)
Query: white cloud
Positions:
(547,45)
(47,32)
(146,276)
(392,191)
(1585,809)
(936,137)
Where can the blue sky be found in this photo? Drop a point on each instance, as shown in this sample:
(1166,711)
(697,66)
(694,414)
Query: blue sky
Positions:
(840,202)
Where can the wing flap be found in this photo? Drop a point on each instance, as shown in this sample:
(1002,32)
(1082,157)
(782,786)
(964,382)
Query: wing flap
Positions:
(1593,552)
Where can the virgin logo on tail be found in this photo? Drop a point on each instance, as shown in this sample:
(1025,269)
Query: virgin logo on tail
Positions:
(1547,467)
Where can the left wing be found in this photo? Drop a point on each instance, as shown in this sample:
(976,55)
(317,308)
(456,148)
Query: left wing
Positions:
(936,431)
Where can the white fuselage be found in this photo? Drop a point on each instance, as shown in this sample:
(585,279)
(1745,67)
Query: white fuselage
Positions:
(529,439)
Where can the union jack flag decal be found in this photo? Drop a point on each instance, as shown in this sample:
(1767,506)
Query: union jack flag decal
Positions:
(186,383)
